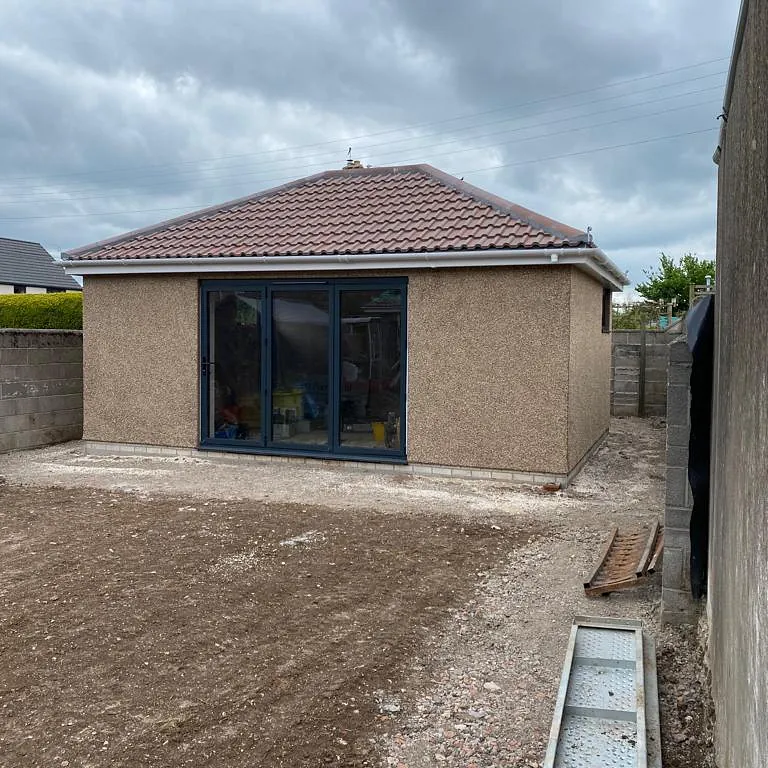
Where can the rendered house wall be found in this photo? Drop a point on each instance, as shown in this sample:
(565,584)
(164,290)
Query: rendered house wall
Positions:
(488,368)
(492,353)
(589,370)
(140,366)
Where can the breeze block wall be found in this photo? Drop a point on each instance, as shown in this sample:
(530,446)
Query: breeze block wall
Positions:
(639,373)
(678,605)
(41,387)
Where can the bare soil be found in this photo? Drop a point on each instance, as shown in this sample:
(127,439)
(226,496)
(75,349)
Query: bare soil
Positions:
(687,712)
(206,612)
(175,632)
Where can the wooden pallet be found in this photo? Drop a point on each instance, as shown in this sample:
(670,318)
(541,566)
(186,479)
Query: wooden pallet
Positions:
(625,560)
(658,550)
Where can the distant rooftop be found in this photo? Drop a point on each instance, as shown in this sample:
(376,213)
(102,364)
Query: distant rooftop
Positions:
(26,263)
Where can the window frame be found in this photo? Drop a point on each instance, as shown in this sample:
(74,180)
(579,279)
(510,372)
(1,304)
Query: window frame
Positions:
(265,445)
(607,310)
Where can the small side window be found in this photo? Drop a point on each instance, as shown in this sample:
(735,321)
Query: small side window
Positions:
(607,295)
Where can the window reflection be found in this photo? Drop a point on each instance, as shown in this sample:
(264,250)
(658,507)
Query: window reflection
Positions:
(300,330)
(358,357)
(235,345)
(371,369)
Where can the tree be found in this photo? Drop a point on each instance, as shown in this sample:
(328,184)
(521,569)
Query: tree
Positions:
(671,281)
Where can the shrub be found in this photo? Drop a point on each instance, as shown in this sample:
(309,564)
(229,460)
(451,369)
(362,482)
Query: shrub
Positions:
(60,311)
(627,317)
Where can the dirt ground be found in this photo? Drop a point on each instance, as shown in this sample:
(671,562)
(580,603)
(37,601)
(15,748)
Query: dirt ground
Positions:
(189,612)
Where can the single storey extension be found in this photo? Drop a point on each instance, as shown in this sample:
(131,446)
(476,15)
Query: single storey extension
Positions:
(392,314)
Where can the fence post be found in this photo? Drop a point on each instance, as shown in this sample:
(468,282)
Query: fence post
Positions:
(641,377)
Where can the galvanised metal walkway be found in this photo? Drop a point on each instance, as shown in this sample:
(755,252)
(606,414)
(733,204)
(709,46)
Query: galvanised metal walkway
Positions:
(606,715)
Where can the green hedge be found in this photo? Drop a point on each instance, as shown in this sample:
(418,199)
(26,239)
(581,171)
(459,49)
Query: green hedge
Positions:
(61,311)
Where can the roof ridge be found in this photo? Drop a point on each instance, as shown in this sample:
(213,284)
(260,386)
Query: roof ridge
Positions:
(19,240)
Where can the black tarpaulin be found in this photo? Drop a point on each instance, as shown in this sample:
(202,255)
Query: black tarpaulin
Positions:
(700,328)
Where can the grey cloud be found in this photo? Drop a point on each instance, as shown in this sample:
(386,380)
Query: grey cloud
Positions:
(147,87)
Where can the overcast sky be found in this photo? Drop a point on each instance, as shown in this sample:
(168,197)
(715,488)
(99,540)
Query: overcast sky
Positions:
(115,114)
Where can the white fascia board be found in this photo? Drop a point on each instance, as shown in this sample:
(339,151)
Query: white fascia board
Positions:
(591,260)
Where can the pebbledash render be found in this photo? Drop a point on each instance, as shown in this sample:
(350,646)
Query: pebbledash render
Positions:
(394,316)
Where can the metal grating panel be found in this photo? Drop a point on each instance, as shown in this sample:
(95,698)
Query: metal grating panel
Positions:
(606,688)
(609,743)
(599,717)
(605,643)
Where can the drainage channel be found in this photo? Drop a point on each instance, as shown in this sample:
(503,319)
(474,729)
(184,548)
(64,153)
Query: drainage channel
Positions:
(606,715)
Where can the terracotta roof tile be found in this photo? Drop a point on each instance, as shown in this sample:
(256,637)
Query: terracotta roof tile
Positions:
(393,209)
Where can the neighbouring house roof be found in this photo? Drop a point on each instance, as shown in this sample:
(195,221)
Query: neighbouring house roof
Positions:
(26,263)
(352,212)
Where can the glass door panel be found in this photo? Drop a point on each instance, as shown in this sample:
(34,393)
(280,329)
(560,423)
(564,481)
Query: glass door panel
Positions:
(234,365)
(300,367)
(371,369)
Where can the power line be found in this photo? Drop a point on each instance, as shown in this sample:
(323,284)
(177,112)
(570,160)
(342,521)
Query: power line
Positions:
(475,170)
(172,175)
(305,168)
(590,151)
(571,130)
(576,106)
(367,149)
(413,126)
(27,196)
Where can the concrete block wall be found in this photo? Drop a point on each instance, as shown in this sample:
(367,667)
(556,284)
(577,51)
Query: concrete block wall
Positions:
(639,373)
(677,604)
(41,387)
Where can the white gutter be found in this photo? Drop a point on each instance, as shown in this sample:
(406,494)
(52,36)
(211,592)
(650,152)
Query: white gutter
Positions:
(737,42)
(591,260)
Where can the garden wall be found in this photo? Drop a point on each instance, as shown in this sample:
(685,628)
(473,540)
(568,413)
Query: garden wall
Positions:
(41,387)
(677,604)
(639,372)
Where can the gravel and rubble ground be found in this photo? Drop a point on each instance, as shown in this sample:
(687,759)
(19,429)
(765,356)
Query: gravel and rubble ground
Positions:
(188,611)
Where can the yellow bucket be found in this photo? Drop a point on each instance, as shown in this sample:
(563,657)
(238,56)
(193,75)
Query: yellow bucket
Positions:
(378,431)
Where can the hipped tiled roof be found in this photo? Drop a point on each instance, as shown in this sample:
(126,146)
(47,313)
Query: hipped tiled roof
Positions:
(403,209)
